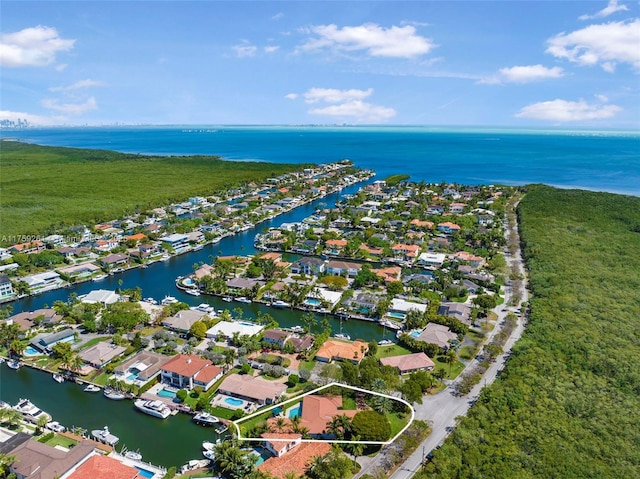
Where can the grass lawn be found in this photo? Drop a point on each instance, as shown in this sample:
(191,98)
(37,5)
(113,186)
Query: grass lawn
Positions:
(348,404)
(100,379)
(397,423)
(222,412)
(452,370)
(58,440)
(308,365)
(391,350)
(150,330)
(468,352)
(94,341)
(294,389)
(251,423)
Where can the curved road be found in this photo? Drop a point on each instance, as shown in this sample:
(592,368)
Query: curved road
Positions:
(442,409)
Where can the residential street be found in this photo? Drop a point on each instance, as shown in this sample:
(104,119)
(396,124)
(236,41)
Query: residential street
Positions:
(442,409)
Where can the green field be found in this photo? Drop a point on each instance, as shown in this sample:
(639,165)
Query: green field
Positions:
(43,188)
(567,405)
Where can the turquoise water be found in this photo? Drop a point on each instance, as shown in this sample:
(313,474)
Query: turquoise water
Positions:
(294,412)
(233,402)
(165,393)
(395,315)
(312,302)
(132,377)
(598,160)
(31,351)
(144,472)
(261,455)
(415,334)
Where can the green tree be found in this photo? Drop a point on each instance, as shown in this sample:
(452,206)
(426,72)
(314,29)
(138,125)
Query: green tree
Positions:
(198,330)
(371,426)
(395,288)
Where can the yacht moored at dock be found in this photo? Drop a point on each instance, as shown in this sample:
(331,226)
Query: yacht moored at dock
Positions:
(14,364)
(31,412)
(153,408)
(205,419)
(91,388)
(114,394)
(104,436)
(59,378)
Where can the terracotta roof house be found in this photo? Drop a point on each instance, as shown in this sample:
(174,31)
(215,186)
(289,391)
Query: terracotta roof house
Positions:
(104,467)
(275,257)
(187,371)
(279,448)
(474,260)
(448,227)
(437,334)
(317,411)
(137,237)
(335,246)
(405,252)
(100,354)
(252,389)
(297,460)
(421,224)
(409,363)
(388,274)
(342,351)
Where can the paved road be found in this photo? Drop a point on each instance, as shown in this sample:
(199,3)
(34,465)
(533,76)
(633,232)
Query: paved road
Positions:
(442,409)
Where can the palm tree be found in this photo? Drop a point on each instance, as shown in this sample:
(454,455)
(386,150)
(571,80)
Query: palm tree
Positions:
(339,426)
(450,358)
(356,449)
(280,423)
(16,348)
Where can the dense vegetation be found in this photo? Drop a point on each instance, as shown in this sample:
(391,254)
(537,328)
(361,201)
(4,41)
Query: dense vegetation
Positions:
(46,187)
(568,402)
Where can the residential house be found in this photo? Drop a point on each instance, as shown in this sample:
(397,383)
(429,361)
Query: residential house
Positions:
(402,307)
(435,209)
(44,280)
(405,252)
(285,442)
(409,363)
(318,411)
(335,246)
(460,311)
(136,237)
(101,296)
(183,320)
(374,253)
(236,285)
(104,245)
(448,227)
(178,242)
(277,337)
(27,248)
(419,224)
(144,365)
(388,274)
(187,371)
(470,286)
(301,344)
(308,265)
(457,208)
(83,270)
(437,334)
(252,389)
(6,288)
(431,260)
(343,268)
(333,350)
(103,467)
(228,328)
(101,354)
(44,342)
(474,261)
(114,260)
(363,303)
(27,320)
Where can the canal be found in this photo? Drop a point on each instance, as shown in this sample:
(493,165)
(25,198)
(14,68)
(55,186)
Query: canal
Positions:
(175,440)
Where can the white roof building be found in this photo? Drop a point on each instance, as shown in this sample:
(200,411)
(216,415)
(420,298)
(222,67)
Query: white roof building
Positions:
(403,306)
(228,328)
(101,296)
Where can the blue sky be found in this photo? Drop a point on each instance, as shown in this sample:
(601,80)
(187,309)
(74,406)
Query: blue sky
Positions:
(510,63)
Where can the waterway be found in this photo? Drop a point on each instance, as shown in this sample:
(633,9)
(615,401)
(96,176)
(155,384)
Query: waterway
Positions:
(175,440)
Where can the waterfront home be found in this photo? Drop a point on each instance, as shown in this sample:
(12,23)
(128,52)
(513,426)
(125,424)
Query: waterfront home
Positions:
(409,363)
(83,270)
(374,253)
(302,344)
(335,246)
(325,295)
(100,296)
(178,242)
(333,350)
(363,303)
(252,389)
(437,334)
(32,247)
(343,268)
(317,411)
(46,280)
(138,237)
(187,371)
(308,265)
(432,260)
(6,288)
(402,306)
(183,320)
(405,252)
(460,311)
(277,337)
(296,460)
(44,342)
(99,355)
(279,448)
(388,274)
(142,367)
(237,285)
(228,328)
(104,467)
(43,317)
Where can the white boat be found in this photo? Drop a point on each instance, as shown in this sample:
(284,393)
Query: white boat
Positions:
(14,364)
(205,419)
(150,301)
(205,308)
(31,412)
(242,299)
(297,329)
(385,342)
(227,299)
(208,446)
(91,388)
(194,464)
(192,291)
(99,277)
(390,324)
(280,304)
(55,426)
(168,300)
(104,436)
(153,408)
(209,455)
(198,248)
(114,394)
(59,378)
(133,455)
(342,336)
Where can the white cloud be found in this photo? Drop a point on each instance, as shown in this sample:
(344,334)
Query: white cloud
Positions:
(610,9)
(524,74)
(78,85)
(277,16)
(398,42)
(245,50)
(358,110)
(606,44)
(70,108)
(32,47)
(563,110)
(271,48)
(333,95)
(32,119)
(291,96)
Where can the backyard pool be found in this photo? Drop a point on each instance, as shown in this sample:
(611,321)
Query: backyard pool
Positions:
(188,282)
(31,351)
(415,334)
(395,315)
(166,393)
(234,402)
(294,411)
(312,302)
(261,455)
(144,472)
(132,377)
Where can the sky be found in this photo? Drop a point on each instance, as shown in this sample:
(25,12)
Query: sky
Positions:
(547,64)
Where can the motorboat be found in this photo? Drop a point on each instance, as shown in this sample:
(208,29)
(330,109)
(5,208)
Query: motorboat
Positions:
(193,292)
(205,418)
(168,300)
(227,299)
(280,304)
(91,388)
(104,436)
(153,408)
(342,336)
(150,301)
(59,378)
(194,464)
(55,426)
(205,308)
(114,394)
(14,364)
(385,342)
(99,277)
(242,299)
(208,446)
(133,455)
(297,329)
(31,412)
(390,324)
(209,455)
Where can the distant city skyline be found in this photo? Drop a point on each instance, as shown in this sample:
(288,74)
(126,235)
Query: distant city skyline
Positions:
(538,64)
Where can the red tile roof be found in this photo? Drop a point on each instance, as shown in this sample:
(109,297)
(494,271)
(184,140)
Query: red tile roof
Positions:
(297,460)
(103,467)
(317,411)
(280,445)
(342,350)
(186,365)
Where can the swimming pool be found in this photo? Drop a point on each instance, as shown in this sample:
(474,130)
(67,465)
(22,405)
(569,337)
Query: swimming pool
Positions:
(261,456)
(294,411)
(234,402)
(395,315)
(165,393)
(31,351)
(312,302)
(145,472)
(132,376)
(415,334)
(188,282)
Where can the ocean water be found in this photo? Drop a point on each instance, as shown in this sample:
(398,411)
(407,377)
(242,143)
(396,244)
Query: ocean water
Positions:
(595,160)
